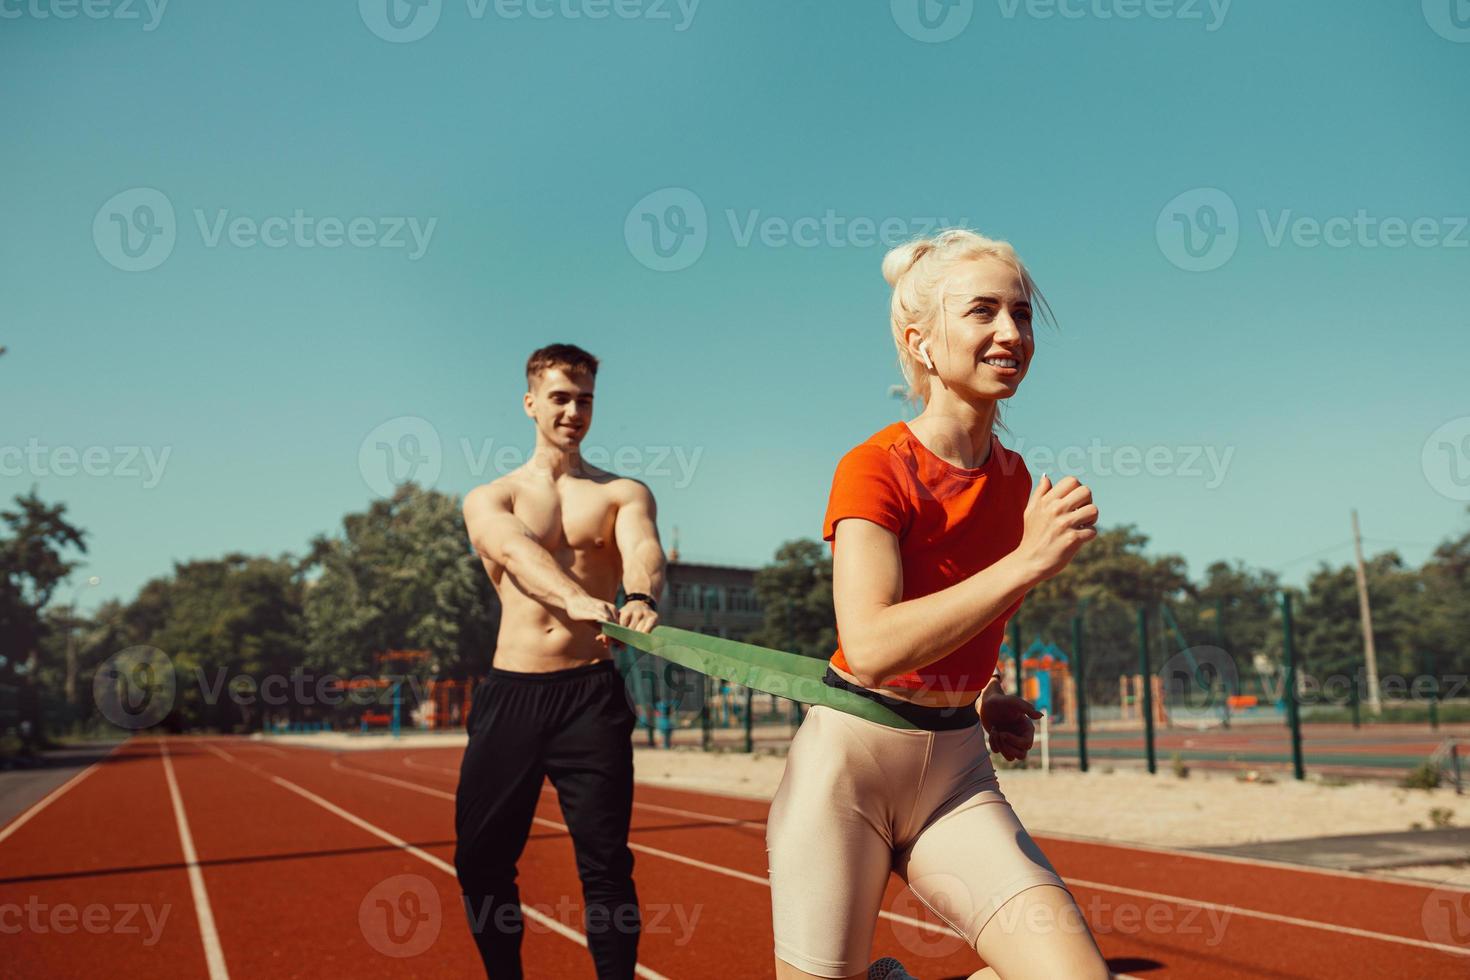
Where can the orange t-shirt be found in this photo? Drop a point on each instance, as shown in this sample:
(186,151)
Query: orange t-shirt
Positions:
(950,523)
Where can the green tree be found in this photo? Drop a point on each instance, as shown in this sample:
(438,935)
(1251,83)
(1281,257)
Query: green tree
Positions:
(227,624)
(400,576)
(795,593)
(33,563)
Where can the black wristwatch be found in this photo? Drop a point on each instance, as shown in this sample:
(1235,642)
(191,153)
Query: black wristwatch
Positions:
(642,597)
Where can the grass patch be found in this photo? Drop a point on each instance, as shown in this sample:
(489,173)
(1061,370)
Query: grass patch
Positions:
(1422,776)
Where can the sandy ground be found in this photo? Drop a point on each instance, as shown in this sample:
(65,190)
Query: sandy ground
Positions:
(1204,809)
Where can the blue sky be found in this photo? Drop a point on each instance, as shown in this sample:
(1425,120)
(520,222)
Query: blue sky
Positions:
(342,218)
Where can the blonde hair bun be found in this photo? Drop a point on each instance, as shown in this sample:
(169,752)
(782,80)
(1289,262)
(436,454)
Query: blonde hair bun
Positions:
(901,259)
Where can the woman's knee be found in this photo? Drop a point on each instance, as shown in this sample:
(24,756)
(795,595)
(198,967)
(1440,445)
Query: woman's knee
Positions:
(1041,933)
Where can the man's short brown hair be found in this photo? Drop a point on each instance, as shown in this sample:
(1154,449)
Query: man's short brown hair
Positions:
(569,357)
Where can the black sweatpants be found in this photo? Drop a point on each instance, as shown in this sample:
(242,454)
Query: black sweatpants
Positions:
(574,726)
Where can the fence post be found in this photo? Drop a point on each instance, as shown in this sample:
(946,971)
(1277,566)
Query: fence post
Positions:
(706,734)
(1081,677)
(1145,677)
(653,701)
(1015,629)
(749,723)
(1427,666)
(1293,717)
(397,706)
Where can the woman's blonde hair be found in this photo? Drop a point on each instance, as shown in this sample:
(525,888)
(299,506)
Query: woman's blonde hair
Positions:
(917,269)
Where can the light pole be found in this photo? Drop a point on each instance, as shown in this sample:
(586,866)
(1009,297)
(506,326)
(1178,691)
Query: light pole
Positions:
(71,645)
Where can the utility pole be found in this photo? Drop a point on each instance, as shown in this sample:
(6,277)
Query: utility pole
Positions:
(1369,654)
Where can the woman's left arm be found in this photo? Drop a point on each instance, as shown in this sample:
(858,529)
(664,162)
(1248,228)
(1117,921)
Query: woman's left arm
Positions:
(1008,720)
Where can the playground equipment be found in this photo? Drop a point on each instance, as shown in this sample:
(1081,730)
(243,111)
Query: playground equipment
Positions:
(1131,697)
(1046,679)
(448,704)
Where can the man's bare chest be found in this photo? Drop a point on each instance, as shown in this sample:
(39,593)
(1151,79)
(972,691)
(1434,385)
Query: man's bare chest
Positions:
(570,520)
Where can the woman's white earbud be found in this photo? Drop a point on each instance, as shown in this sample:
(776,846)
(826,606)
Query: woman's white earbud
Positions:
(924,353)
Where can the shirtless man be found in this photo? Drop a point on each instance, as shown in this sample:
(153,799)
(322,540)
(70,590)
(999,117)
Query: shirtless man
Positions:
(557,537)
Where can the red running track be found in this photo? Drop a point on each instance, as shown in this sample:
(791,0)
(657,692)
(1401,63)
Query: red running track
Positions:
(267,861)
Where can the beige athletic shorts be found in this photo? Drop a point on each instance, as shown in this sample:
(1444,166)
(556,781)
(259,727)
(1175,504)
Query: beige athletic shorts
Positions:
(859,800)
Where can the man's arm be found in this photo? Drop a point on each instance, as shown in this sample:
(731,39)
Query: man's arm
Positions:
(497,535)
(636,533)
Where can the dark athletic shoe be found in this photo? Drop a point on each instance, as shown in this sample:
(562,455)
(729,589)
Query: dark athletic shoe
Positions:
(889,968)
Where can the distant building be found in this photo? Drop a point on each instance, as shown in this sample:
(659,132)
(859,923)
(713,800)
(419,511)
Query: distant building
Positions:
(716,599)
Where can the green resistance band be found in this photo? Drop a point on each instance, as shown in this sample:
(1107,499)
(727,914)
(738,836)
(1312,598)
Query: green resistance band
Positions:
(786,675)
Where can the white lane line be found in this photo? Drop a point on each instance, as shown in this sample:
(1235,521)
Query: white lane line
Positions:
(1274,917)
(417,852)
(1095,885)
(214,955)
(1237,859)
(53,796)
(407,760)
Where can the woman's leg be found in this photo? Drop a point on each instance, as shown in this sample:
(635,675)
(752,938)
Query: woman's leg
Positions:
(1040,933)
(785,971)
(977,868)
(829,856)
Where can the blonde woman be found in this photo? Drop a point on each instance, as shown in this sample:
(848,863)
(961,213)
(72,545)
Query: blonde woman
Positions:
(936,534)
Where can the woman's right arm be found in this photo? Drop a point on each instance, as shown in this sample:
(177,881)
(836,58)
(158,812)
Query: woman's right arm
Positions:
(884,636)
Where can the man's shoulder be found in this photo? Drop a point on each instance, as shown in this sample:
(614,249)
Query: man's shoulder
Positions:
(625,489)
(498,491)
